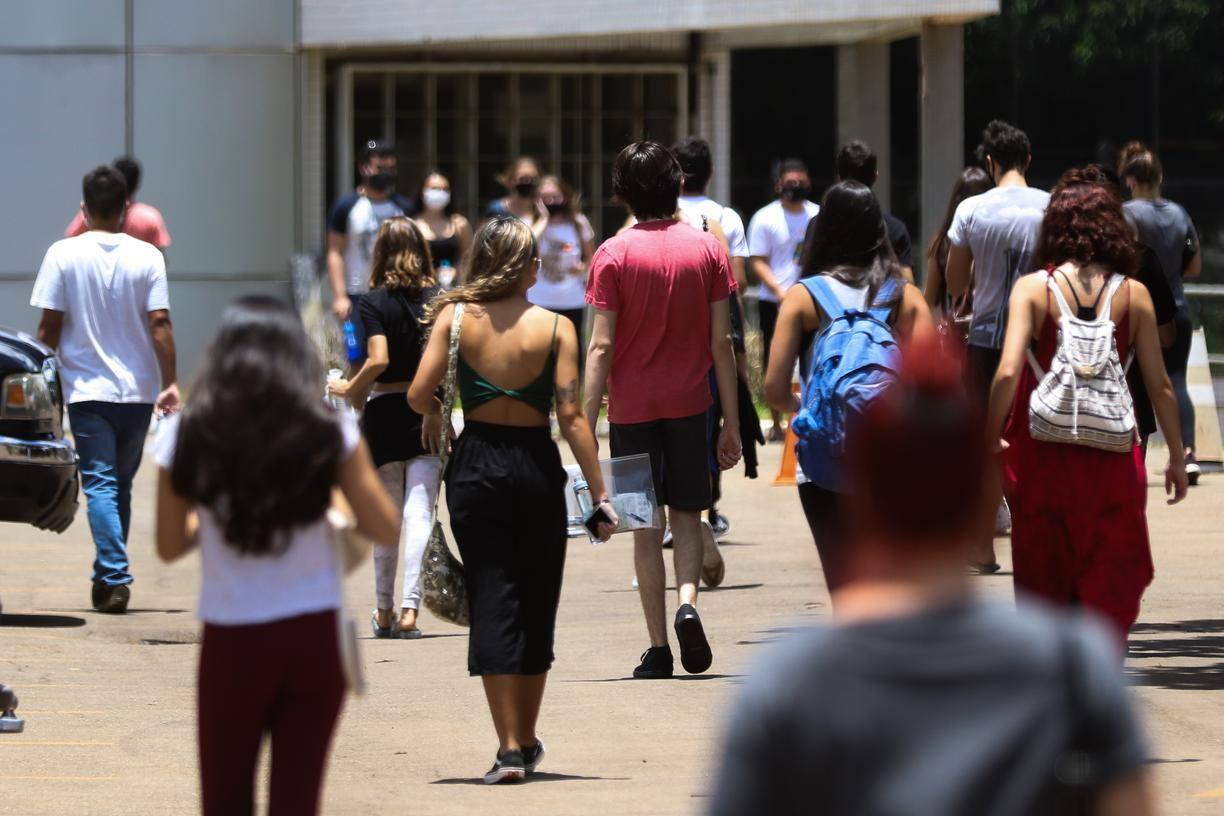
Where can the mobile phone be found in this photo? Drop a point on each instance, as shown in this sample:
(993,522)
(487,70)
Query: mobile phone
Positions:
(596,517)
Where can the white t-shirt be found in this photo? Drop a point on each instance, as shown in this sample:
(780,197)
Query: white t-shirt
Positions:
(727,218)
(105,283)
(562,280)
(238,589)
(777,236)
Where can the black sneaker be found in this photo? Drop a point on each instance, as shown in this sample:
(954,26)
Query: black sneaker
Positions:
(533,756)
(657,664)
(112,600)
(508,767)
(695,654)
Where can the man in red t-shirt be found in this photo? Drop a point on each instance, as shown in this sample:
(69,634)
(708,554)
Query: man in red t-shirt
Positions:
(662,321)
(140,220)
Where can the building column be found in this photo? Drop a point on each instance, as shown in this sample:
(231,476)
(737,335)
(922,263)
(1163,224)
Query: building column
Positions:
(312,162)
(714,118)
(863,102)
(942,129)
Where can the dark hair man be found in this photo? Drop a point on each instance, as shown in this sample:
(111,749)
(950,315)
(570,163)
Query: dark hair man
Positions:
(660,293)
(106,310)
(352,226)
(921,698)
(140,220)
(856,161)
(775,241)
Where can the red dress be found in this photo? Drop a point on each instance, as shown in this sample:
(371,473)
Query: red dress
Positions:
(1079,518)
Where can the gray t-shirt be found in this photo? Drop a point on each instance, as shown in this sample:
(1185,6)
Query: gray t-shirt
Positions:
(970,709)
(1000,227)
(1168,230)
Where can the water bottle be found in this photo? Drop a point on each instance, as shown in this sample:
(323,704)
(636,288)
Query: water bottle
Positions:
(583,491)
(446,274)
(351,345)
(339,403)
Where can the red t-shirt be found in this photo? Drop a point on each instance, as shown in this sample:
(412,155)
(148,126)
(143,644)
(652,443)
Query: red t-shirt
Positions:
(141,221)
(660,279)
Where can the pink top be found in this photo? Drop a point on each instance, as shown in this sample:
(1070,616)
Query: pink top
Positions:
(659,278)
(142,221)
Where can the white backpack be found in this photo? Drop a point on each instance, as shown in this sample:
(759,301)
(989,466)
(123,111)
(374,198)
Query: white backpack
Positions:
(1084,399)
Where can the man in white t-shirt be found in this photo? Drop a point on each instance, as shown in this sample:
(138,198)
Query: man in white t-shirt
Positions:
(775,241)
(106,310)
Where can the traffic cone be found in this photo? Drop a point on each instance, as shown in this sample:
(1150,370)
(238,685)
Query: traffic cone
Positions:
(790,462)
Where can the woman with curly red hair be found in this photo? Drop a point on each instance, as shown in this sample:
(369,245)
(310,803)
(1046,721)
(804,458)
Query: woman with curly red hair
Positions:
(1079,523)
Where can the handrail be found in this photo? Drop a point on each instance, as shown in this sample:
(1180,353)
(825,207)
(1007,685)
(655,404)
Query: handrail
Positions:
(1205,290)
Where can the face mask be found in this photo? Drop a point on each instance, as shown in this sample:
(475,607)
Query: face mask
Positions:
(381,181)
(554,207)
(436,199)
(793,193)
(526,189)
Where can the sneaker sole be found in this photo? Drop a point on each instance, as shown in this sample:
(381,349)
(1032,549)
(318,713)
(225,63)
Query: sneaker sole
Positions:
(695,653)
(653,675)
(505,775)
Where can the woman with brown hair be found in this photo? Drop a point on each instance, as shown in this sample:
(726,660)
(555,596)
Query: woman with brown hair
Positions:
(1079,525)
(404,445)
(521,178)
(972,181)
(505,482)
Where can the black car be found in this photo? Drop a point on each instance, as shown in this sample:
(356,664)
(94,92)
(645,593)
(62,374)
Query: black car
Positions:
(38,467)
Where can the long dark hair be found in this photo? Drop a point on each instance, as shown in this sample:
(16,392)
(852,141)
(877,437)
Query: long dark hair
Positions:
(973,181)
(848,240)
(258,446)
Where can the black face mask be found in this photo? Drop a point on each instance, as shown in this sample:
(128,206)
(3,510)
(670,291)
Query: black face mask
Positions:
(526,189)
(793,193)
(382,181)
(554,207)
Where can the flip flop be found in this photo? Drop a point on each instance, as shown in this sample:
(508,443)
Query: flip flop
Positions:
(410,634)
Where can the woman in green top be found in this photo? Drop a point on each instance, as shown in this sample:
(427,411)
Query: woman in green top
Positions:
(505,483)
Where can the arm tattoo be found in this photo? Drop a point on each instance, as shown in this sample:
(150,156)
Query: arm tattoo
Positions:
(568,393)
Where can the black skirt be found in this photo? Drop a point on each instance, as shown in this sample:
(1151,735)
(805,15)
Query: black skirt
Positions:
(505,492)
(391,429)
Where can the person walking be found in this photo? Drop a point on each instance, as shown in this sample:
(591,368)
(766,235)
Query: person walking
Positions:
(140,220)
(661,323)
(993,237)
(848,263)
(403,445)
(246,474)
(1079,524)
(920,698)
(352,227)
(505,483)
(972,181)
(521,178)
(106,311)
(448,232)
(775,239)
(566,247)
(1166,228)
(856,162)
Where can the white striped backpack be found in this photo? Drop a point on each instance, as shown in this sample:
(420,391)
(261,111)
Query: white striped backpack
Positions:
(1083,399)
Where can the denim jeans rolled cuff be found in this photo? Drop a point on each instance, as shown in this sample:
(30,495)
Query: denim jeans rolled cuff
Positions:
(110,440)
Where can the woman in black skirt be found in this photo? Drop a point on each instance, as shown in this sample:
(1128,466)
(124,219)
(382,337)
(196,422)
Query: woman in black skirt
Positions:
(505,483)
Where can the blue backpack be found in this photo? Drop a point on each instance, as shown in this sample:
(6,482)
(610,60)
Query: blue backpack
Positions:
(854,359)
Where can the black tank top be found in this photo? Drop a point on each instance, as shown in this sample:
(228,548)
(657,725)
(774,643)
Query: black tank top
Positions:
(445,249)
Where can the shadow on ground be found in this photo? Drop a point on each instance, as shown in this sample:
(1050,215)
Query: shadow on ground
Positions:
(539,776)
(41,621)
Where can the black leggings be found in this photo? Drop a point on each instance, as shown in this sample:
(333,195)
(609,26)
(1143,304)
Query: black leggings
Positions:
(1176,360)
(825,517)
(505,492)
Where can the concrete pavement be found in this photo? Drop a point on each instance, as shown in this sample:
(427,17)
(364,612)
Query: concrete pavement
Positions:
(109,701)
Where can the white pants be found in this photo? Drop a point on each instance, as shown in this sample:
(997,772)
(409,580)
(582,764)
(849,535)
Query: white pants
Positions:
(413,485)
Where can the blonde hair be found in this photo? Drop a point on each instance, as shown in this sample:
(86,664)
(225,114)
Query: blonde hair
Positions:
(501,254)
(401,258)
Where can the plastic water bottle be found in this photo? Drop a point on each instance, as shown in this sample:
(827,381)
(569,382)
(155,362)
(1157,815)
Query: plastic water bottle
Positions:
(351,345)
(339,403)
(446,274)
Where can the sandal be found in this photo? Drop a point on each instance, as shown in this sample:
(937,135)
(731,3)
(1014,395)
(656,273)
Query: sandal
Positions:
(984,569)
(410,634)
(380,632)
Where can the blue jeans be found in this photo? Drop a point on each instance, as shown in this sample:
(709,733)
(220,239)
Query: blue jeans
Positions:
(110,440)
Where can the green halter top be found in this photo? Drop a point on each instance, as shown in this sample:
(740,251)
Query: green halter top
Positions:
(475,390)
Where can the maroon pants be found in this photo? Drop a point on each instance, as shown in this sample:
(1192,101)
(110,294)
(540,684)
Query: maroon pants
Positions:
(283,679)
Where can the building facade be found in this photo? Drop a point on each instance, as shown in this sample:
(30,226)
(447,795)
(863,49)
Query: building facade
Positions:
(247,116)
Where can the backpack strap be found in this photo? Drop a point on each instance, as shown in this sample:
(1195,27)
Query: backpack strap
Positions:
(824,296)
(883,307)
(1063,307)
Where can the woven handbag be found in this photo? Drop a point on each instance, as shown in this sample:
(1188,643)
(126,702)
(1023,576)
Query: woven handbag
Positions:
(443,589)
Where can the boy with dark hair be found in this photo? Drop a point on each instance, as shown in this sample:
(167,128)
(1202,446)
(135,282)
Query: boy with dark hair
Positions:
(775,241)
(141,220)
(660,292)
(106,311)
(856,161)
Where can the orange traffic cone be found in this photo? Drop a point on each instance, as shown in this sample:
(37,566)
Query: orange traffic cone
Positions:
(790,464)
